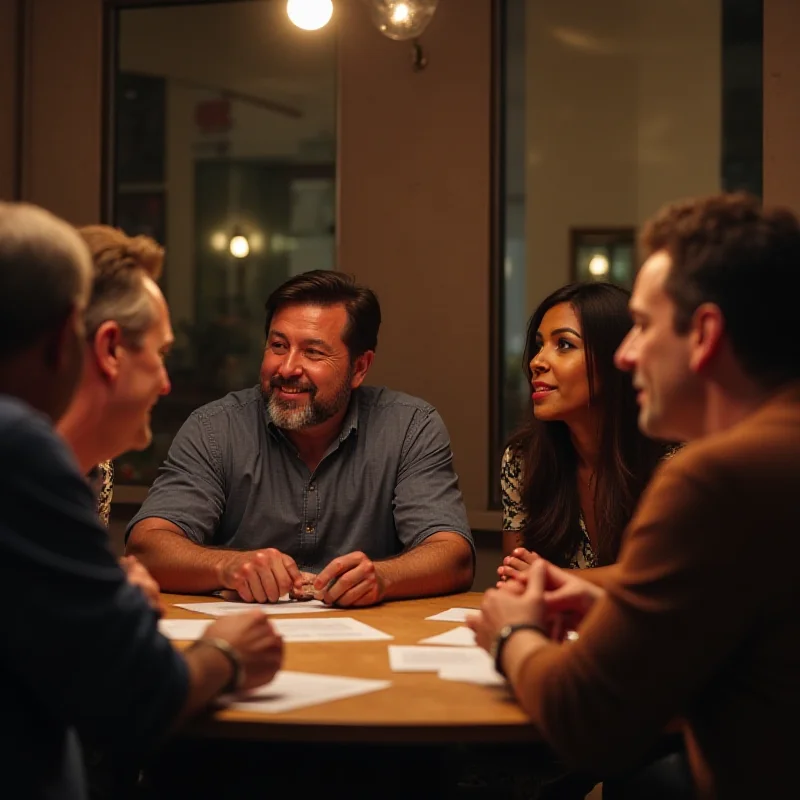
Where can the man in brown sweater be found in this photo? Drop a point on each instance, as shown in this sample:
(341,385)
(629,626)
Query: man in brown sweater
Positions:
(689,624)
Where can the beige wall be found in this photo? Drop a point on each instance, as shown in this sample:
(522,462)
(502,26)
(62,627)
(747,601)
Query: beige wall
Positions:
(63,108)
(782,102)
(8,97)
(414,213)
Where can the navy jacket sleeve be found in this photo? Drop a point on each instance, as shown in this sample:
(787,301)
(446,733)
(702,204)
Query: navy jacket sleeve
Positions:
(77,639)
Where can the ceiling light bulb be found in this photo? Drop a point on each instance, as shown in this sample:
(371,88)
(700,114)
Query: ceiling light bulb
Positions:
(310,15)
(239,246)
(402,19)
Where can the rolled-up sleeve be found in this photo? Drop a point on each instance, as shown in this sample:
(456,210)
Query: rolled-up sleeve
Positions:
(427,499)
(190,488)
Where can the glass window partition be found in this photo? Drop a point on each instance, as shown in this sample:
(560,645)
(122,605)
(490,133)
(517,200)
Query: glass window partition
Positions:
(223,123)
(607,111)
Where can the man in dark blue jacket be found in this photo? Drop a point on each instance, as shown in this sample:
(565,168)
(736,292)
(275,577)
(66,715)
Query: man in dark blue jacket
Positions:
(80,651)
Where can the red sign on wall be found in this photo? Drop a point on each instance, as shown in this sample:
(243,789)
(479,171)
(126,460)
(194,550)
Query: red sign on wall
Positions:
(213,116)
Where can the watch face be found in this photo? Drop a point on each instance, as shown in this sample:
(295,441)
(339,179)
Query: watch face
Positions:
(498,640)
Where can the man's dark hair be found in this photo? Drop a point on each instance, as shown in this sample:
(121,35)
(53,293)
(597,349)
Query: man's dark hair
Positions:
(729,250)
(327,288)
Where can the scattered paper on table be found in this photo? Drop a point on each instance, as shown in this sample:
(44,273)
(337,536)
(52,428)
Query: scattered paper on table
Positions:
(336,629)
(291,690)
(486,675)
(412,658)
(224,608)
(453,615)
(183,629)
(457,637)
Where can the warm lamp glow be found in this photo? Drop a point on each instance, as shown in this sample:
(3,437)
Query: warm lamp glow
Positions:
(598,265)
(310,15)
(402,19)
(400,13)
(219,241)
(239,246)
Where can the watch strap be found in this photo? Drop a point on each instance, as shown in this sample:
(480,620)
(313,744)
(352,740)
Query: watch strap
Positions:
(237,671)
(505,634)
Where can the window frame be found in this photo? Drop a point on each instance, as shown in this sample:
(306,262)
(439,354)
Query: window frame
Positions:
(497,252)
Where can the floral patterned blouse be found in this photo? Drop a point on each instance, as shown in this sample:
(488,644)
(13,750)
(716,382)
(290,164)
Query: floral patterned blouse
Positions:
(514,514)
(101,479)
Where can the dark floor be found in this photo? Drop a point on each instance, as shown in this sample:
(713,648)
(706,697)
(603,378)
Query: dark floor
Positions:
(219,770)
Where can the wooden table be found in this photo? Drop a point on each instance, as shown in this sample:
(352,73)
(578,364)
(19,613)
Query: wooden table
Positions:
(416,708)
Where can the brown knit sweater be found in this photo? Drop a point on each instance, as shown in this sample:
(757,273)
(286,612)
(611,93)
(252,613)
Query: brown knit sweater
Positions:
(701,621)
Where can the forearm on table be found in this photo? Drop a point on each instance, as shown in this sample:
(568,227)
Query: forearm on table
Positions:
(522,646)
(590,700)
(533,667)
(176,563)
(441,564)
(209,671)
(512,540)
(599,576)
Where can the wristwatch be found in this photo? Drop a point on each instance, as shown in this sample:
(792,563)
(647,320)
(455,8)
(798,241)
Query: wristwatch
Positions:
(506,632)
(237,669)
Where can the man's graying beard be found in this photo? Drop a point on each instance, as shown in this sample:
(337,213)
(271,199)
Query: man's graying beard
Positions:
(291,417)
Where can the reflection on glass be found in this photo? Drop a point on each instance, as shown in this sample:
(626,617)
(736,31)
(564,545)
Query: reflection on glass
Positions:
(610,110)
(603,255)
(224,121)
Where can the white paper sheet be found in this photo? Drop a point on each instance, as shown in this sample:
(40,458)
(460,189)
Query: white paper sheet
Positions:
(412,658)
(340,629)
(486,675)
(291,690)
(456,637)
(225,608)
(337,629)
(453,615)
(183,629)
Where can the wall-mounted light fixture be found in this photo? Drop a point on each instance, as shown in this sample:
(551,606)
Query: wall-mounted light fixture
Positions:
(238,241)
(401,20)
(239,246)
(603,254)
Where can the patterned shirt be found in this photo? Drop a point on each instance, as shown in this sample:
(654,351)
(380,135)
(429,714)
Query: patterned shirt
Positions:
(515,516)
(102,481)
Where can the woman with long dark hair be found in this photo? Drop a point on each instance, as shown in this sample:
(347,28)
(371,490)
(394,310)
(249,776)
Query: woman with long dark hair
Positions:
(573,474)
